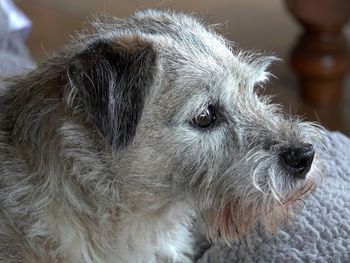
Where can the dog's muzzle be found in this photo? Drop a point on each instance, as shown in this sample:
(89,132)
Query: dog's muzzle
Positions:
(297,160)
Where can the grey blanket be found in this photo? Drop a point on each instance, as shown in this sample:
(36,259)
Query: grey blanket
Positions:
(321,233)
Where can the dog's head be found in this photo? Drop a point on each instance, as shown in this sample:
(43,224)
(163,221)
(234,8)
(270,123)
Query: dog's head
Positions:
(182,120)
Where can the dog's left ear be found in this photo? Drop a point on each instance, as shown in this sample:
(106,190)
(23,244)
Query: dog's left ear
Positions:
(111,79)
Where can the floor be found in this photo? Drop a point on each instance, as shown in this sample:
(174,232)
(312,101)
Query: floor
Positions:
(267,27)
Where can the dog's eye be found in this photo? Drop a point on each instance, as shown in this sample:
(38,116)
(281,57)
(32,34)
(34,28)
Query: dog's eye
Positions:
(206,118)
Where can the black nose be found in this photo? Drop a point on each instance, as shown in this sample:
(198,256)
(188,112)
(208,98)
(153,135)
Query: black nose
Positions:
(298,160)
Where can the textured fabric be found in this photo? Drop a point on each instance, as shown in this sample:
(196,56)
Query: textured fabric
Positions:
(321,232)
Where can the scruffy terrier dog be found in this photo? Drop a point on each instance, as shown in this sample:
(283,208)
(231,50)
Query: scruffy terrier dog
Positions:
(112,148)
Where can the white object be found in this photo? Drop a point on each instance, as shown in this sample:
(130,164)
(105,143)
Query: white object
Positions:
(13,20)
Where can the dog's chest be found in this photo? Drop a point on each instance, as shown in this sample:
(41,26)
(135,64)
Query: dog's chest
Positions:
(157,238)
(140,239)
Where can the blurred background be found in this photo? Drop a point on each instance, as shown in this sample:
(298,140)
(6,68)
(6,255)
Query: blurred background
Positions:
(252,24)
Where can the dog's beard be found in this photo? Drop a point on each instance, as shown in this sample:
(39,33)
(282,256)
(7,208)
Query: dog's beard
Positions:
(264,193)
(231,215)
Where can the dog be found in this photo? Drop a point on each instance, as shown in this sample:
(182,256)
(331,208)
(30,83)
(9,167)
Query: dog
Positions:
(117,147)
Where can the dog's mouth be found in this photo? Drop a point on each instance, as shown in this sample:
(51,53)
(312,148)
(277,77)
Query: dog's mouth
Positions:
(234,219)
(229,217)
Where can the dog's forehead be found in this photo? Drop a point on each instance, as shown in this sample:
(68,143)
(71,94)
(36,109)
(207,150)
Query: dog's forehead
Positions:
(203,56)
(183,36)
(196,59)
(204,62)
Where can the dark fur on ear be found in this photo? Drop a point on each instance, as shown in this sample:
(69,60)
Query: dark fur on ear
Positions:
(112,79)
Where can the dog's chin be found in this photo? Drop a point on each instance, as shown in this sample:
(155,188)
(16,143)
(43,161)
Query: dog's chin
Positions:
(230,218)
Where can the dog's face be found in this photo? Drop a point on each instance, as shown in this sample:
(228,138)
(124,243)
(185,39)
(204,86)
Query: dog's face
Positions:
(173,100)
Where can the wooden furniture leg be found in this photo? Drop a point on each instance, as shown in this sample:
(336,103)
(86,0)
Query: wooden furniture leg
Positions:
(321,58)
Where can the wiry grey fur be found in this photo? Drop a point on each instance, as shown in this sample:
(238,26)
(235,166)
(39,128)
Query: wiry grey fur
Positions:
(100,160)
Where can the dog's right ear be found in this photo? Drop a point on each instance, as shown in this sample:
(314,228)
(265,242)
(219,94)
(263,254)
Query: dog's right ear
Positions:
(111,79)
